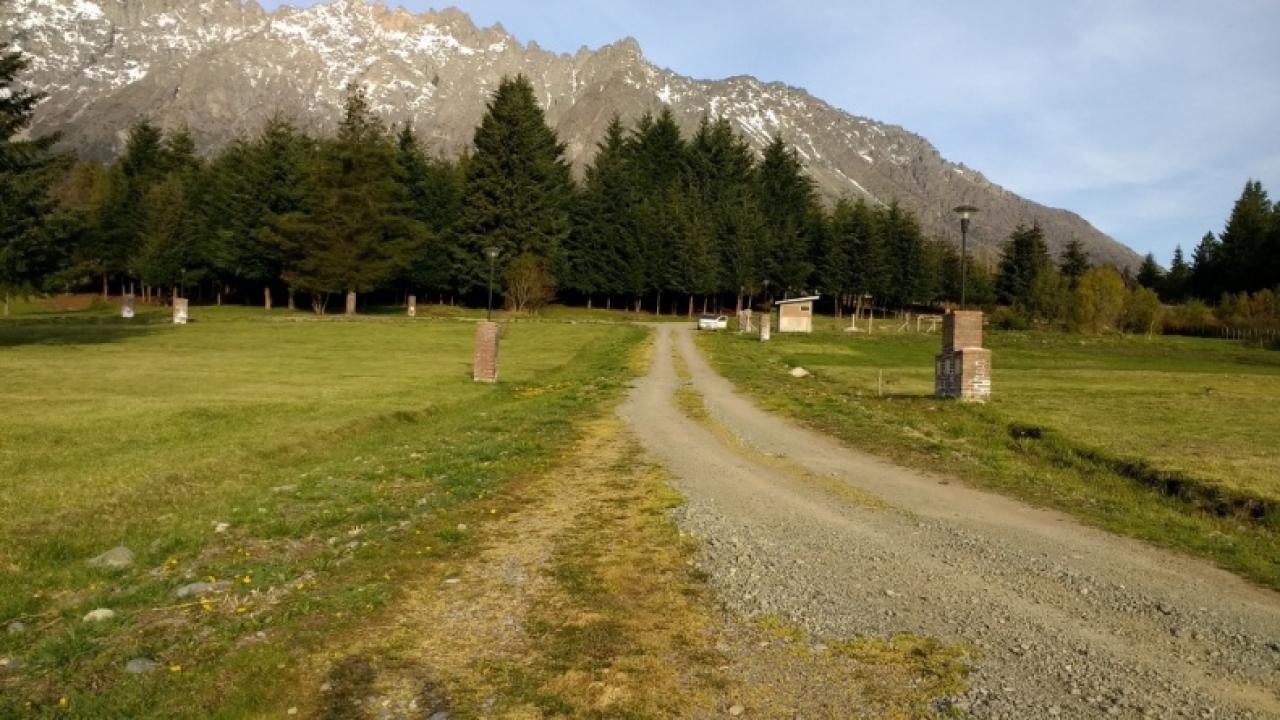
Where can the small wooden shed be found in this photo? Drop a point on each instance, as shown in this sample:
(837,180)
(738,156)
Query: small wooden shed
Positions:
(795,315)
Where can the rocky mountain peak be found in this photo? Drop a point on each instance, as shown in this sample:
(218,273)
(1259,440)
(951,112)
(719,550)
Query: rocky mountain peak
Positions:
(221,68)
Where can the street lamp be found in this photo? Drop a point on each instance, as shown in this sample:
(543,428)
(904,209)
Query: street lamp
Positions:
(492,251)
(965,212)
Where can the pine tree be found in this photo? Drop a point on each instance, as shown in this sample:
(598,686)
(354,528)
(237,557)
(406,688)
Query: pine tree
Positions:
(28,169)
(518,189)
(790,204)
(1177,281)
(857,228)
(1150,274)
(597,249)
(722,176)
(431,203)
(1074,261)
(904,254)
(1023,259)
(659,166)
(1245,264)
(356,232)
(1206,269)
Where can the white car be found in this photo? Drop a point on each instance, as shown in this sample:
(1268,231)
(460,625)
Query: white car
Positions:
(713,322)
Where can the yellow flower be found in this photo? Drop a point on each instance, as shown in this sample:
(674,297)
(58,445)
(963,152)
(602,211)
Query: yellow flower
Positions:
(247,580)
(63,702)
(175,668)
(242,610)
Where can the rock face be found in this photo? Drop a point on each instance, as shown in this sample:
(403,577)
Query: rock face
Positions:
(222,67)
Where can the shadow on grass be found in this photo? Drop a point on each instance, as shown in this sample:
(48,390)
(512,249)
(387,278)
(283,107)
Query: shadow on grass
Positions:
(75,331)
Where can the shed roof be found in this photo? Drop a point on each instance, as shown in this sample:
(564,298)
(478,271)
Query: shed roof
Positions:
(792,301)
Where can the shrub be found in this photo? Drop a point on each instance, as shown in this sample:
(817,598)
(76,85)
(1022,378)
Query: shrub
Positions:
(1143,312)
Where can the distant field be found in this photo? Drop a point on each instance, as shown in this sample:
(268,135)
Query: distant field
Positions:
(1172,439)
(319,444)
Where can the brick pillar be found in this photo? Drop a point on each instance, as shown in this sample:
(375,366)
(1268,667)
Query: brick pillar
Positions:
(963,368)
(126,309)
(413,306)
(486,361)
(180,311)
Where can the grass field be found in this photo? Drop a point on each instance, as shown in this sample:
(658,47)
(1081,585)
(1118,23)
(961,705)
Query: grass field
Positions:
(301,466)
(1174,440)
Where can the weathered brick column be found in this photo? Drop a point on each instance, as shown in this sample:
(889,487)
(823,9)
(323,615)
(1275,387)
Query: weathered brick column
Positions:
(963,368)
(486,361)
(180,306)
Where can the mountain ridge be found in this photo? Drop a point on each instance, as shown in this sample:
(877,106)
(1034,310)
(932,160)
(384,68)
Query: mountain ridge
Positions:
(221,68)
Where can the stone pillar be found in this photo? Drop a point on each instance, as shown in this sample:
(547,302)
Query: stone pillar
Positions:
(963,368)
(413,306)
(766,323)
(486,360)
(744,321)
(180,306)
(126,308)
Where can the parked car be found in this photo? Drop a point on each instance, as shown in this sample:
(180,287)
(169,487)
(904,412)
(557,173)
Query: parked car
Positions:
(713,322)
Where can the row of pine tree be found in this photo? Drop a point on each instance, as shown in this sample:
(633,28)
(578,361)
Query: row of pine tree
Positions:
(659,222)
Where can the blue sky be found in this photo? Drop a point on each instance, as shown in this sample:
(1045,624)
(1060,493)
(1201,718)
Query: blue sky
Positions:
(1144,116)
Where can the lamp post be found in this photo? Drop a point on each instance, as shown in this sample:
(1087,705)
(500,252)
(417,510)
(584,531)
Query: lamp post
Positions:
(965,212)
(492,251)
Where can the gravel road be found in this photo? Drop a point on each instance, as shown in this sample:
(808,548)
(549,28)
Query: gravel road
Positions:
(1067,621)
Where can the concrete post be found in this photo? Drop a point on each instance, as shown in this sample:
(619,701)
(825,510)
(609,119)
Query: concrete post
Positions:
(413,306)
(126,308)
(180,306)
(766,325)
(486,358)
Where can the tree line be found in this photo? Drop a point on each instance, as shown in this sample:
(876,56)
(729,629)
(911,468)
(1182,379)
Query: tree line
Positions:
(660,221)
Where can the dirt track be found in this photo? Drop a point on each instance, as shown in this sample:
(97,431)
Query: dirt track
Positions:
(1067,621)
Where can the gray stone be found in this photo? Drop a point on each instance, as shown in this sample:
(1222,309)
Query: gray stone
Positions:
(100,615)
(737,710)
(799,372)
(17,627)
(199,588)
(442,715)
(116,558)
(141,666)
(9,664)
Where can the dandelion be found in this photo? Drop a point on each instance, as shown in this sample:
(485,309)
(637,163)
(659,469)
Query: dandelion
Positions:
(175,668)
(247,580)
(63,702)
(242,610)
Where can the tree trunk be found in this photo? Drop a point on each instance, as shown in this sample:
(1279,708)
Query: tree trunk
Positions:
(608,302)
(318,302)
(266,297)
(691,306)
(292,304)
(588,302)
(219,296)
(657,304)
(351,302)
(175,294)
(6,304)
(704,304)
(106,291)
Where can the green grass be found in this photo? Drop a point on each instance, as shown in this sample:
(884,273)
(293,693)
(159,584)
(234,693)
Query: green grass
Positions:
(1174,440)
(338,452)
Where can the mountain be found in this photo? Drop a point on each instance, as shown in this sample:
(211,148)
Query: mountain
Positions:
(222,67)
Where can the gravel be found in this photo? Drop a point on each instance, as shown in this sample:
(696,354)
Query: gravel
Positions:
(1066,621)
